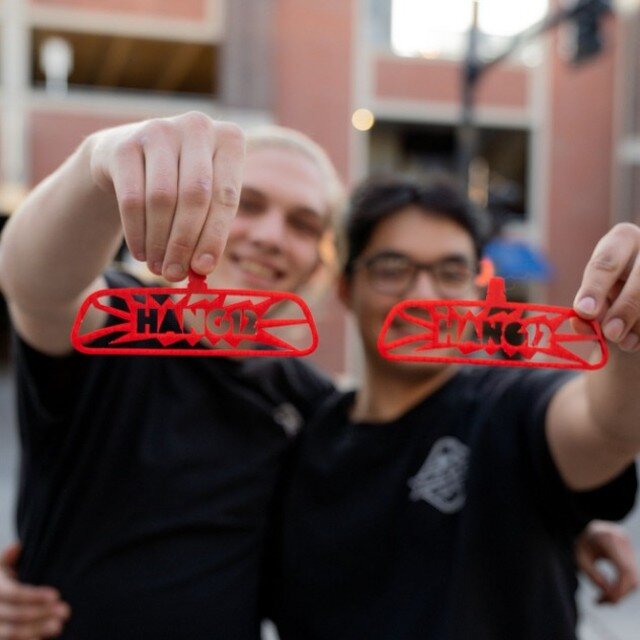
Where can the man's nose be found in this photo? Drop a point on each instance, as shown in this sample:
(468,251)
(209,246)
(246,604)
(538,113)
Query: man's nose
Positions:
(269,228)
(424,286)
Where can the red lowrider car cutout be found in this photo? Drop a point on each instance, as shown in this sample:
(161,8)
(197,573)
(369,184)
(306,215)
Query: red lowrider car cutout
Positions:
(196,321)
(490,332)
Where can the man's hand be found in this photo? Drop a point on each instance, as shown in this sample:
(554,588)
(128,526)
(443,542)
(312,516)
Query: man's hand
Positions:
(607,541)
(610,290)
(177,182)
(27,612)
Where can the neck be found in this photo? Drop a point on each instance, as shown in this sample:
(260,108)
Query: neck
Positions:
(384,397)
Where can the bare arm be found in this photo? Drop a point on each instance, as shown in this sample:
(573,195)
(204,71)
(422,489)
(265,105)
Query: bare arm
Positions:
(170,185)
(593,422)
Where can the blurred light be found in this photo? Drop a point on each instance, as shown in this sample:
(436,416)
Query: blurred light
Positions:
(11,196)
(363,119)
(56,62)
(419,25)
(431,54)
(626,6)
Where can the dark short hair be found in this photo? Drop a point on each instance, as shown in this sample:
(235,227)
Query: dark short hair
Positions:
(379,197)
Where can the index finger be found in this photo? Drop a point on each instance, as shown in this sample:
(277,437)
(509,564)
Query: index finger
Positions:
(610,261)
(16,593)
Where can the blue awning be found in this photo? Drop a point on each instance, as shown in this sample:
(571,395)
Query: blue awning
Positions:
(519,260)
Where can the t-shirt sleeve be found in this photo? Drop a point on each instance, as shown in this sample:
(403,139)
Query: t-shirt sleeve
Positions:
(572,510)
(46,384)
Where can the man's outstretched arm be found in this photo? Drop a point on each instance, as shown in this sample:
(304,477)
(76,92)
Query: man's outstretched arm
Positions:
(170,185)
(593,422)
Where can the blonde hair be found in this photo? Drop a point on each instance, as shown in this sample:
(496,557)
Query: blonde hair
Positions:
(276,137)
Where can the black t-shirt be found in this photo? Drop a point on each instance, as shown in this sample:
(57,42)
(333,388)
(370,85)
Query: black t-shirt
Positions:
(147,484)
(451,523)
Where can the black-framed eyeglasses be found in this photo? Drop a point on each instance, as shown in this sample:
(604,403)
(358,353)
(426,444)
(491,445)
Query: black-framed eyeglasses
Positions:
(395,274)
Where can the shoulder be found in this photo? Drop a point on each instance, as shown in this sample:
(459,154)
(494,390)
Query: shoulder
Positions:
(291,379)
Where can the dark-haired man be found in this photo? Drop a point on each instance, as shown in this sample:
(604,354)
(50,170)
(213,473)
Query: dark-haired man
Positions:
(442,502)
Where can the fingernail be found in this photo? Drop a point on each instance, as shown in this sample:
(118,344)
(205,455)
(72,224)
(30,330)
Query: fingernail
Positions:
(613,329)
(175,272)
(587,305)
(630,342)
(206,262)
(156,267)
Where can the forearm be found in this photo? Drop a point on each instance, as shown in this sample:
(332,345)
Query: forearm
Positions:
(613,395)
(60,239)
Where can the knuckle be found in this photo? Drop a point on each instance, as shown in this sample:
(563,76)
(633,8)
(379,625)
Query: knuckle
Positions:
(18,615)
(227,195)
(625,229)
(125,148)
(131,202)
(197,121)
(232,132)
(157,128)
(216,231)
(162,196)
(605,261)
(155,248)
(197,193)
(628,307)
(181,244)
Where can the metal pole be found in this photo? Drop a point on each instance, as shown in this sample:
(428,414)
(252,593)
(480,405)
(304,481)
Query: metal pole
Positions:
(474,69)
(467,130)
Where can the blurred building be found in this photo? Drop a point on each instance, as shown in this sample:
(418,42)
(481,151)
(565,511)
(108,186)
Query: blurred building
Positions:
(559,144)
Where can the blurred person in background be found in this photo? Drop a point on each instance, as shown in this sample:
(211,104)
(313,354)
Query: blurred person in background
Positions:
(442,501)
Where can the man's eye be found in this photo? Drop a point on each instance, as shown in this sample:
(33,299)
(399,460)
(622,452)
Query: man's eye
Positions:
(249,206)
(307,227)
(391,271)
(454,274)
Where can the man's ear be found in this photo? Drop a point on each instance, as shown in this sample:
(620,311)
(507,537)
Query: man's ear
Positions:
(344,290)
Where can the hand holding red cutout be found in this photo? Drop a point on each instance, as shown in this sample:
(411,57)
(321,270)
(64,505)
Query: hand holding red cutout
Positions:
(610,289)
(177,184)
(489,332)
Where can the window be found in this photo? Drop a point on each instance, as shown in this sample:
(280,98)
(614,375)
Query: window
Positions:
(143,64)
(436,29)
(502,164)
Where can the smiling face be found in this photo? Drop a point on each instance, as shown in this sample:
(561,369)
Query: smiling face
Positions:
(282,217)
(424,238)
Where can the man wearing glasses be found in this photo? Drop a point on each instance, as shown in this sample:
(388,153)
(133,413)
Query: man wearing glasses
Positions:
(439,501)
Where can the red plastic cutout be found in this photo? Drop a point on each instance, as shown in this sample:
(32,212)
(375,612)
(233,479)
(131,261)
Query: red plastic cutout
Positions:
(517,334)
(212,317)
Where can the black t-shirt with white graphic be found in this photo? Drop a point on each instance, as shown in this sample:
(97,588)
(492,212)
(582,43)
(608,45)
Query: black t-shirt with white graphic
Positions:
(451,523)
(147,485)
